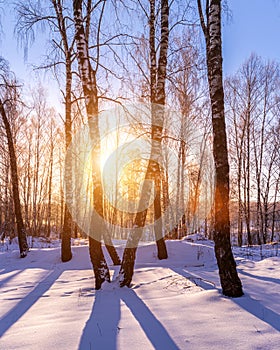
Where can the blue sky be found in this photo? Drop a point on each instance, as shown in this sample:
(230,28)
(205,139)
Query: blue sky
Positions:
(253,27)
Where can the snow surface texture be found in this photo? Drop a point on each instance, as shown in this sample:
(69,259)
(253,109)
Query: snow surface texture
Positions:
(173,304)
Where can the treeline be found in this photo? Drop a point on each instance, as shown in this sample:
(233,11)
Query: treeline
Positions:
(252,103)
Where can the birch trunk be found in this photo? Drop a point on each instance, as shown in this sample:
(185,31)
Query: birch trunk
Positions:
(50,179)
(231,284)
(157,99)
(248,175)
(89,85)
(22,240)
(159,115)
(66,253)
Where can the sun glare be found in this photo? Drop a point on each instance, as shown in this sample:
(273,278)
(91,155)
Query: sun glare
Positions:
(123,168)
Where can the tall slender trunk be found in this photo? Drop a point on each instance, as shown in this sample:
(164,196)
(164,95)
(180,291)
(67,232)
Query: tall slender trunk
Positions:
(231,284)
(169,219)
(179,180)
(248,175)
(157,99)
(129,255)
(182,187)
(27,187)
(266,199)
(66,253)
(240,204)
(35,215)
(89,85)
(274,208)
(22,239)
(49,208)
(157,91)
(239,146)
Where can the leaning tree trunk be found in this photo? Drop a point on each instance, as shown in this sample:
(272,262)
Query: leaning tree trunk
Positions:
(88,80)
(129,255)
(22,240)
(230,282)
(157,99)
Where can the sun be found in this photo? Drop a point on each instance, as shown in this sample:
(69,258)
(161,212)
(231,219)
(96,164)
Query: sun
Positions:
(123,169)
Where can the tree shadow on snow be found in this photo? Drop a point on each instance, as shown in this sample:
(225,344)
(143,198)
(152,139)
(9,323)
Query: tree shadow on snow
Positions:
(251,305)
(203,283)
(262,278)
(254,306)
(102,328)
(26,302)
(53,269)
(8,278)
(260,311)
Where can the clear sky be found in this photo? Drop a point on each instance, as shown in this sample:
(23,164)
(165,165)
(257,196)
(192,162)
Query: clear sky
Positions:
(253,27)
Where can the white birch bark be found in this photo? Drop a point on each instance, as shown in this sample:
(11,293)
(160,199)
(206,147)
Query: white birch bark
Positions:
(231,284)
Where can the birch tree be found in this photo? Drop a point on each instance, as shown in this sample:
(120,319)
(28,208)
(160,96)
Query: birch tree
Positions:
(32,16)
(157,99)
(186,92)
(276,176)
(265,151)
(252,101)
(66,46)
(90,91)
(230,282)
(7,103)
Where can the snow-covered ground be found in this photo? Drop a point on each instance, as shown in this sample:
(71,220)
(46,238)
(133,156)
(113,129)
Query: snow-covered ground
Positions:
(173,304)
